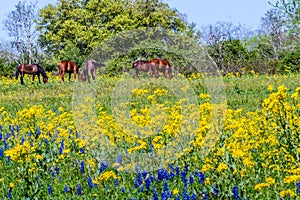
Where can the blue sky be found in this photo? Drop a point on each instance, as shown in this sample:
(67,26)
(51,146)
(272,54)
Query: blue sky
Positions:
(201,12)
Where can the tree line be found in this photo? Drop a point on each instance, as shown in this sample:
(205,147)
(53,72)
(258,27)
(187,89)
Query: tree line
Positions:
(73,29)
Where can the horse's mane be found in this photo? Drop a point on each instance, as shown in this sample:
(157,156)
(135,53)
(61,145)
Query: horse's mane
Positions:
(42,70)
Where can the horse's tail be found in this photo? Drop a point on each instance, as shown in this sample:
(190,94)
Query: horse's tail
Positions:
(58,71)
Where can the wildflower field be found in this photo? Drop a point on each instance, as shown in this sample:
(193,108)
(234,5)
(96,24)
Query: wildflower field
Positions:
(48,152)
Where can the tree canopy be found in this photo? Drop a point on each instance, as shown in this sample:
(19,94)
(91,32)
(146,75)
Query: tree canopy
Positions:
(86,23)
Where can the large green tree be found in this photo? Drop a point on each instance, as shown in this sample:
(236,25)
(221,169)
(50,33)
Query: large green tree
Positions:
(86,23)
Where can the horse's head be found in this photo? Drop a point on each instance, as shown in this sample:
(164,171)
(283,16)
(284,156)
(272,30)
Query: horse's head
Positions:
(45,79)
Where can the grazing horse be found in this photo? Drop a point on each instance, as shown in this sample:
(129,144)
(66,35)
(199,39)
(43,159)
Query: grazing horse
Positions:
(142,65)
(32,69)
(90,69)
(67,67)
(161,65)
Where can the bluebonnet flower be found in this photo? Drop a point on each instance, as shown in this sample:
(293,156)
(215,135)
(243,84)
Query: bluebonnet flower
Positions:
(56,169)
(215,190)
(119,159)
(62,146)
(66,189)
(186,168)
(201,177)
(185,195)
(17,128)
(122,189)
(177,170)
(12,130)
(81,150)
(30,134)
(23,140)
(194,196)
(235,191)
(162,174)
(166,188)
(116,182)
(46,141)
(9,194)
(103,167)
(142,188)
(204,195)
(177,197)
(38,131)
(191,179)
(184,179)
(79,189)
(148,182)
(90,182)
(298,187)
(52,172)
(138,180)
(1,153)
(82,167)
(50,192)
(1,135)
(77,134)
(7,159)
(155,195)
(6,136)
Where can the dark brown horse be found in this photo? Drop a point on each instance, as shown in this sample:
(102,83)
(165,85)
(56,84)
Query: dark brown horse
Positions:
(32,69)
(161,65)
(142,65)
(68,67)
(90,69)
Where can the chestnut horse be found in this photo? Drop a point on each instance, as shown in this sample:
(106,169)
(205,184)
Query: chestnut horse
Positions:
(67,67)
(142,65)
(161,65)
(32,69)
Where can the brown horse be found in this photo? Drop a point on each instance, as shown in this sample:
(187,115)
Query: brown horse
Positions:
(90,69)
(32,69)
(161,65)
(142,65)
(68,67)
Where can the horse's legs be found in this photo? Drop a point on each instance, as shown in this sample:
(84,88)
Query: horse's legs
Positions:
(39,78)
(62,76)
(33,78)
(75,75)
(22,80)
(94,74)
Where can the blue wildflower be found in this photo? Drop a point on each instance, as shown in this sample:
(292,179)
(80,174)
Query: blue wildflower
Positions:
(298,187)
(90,182)
(38,131)
(184,179)
(62,146)
(162,174)
(103,167)
(1,135)
(194,196)
(82,167)
(77,134)
(185,195)
(119,159)
(56,169)
(122,189)
(204,195)
(116,182)
(166,188)
(215,190)
(50,192)
(7,159)
(155,195)
(235,191)
(9,194)
(148,182)
(79,189)
(12,130)
(81,150)
(23,140)
(66,189)
(1,153)
(191,179)
(177,170)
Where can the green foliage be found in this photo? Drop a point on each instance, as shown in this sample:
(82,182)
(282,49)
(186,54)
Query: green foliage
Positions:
(87,23)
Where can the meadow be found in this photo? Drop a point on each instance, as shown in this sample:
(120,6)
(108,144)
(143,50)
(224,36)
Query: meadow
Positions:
(57,141)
